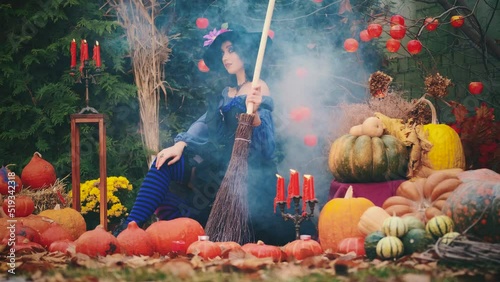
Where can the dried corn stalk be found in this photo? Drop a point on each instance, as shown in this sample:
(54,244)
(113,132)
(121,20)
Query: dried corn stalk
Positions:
(149,52)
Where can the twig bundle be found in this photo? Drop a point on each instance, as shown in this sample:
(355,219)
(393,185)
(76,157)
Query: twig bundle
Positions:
(229,217)
(463,250)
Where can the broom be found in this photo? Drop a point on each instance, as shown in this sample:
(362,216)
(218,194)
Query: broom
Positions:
(229,217)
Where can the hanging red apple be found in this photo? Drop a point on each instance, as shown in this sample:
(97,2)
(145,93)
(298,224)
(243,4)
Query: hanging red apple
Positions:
(351,45)
(397,31)
(397,19)
(392,45)
(364,36)
(310,140)
(431,24)
(414,46)
(202,66)
(270,33)
(457,21)
(476,87)
(374,30)
(201,23)
(317,1)
(301,113)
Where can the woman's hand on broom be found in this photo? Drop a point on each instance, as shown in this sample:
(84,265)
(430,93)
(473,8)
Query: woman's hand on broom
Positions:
(172,154)
(255,98)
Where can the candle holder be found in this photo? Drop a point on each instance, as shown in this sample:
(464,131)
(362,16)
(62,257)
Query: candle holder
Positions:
(88,74)
(299,216)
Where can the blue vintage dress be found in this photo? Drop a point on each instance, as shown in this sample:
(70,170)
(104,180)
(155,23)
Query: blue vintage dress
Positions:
(211,140)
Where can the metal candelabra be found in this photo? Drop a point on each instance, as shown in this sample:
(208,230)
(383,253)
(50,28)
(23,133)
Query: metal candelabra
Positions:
(298,217)
(88,74)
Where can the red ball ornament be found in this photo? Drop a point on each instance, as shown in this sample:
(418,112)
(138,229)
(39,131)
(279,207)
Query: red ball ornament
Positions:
(310,140)
(414,46)
(301,72)
(270,33)
(392,45)
(317,1)
(374,30)
(201,23)
(431,24)
(351,45)
(202,66)
(476,87)
(457,21)
(398,31)
(397,19)
(364,36)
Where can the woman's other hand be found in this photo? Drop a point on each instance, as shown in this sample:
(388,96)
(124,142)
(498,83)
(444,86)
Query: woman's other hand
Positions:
(256,94)
(172,154)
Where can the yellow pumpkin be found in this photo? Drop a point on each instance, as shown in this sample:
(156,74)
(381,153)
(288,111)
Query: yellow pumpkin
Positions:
(67,218)
(447,151)
(372,219)
(339,219)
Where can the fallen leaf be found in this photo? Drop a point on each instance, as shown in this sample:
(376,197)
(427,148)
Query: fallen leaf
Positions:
(411,277)
(180,268)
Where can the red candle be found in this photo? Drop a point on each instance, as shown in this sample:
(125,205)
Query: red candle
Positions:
(84,51)
(280,190)
(96,55)
(306,190)
(293,186)
(72,50)
(312,195)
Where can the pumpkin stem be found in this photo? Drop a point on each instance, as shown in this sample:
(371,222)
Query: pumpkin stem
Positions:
(37,154)
(433,109)
(348,193)
(57,207)
(260,242)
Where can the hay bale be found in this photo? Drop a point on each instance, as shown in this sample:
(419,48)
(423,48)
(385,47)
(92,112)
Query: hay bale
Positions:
(48,198)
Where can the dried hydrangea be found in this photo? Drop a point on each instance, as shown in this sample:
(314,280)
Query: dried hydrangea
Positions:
(379,84)
(437,85)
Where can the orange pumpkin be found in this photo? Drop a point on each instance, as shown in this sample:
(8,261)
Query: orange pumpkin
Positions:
(339,219)
(97,242)
(5,176)
(20,206)
(64,246)
(303,248)
(38,173)
(352,244)
(54,233)
(134,241)
(227,247)
(204,248)
(262,250)
(164,232)
(423,197)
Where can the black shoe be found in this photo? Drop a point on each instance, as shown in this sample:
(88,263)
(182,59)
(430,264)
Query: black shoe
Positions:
(120,227)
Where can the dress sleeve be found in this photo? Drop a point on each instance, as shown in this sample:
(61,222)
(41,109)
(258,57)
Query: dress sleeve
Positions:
(197,134)
(263,140)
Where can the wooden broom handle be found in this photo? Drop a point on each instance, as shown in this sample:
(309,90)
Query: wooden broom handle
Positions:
(262,49)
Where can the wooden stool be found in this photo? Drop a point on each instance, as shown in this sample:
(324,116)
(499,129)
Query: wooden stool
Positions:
(75,160)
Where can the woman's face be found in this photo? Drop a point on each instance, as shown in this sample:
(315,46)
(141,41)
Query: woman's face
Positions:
(230,59)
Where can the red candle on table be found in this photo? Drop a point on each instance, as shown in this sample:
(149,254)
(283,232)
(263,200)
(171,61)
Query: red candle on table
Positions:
(72,50)
(293,186)
(84,51)
(96,56)
(280,190)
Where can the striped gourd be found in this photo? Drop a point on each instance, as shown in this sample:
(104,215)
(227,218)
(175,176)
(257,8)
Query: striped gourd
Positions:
(439,225)
(394,226)
(449,237)
(389,247)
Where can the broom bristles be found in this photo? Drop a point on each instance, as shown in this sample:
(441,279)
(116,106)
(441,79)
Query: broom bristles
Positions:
(229,217)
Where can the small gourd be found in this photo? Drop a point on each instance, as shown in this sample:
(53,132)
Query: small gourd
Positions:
(389,247)
(303,248)
(394,226)
(204,248)
(449,237)
(439,225)
(412,222)
(371,241)
(372,127)
(416,240)
(372,219)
